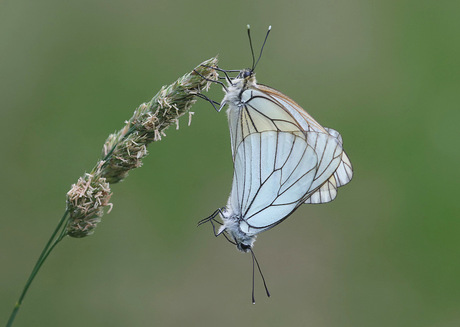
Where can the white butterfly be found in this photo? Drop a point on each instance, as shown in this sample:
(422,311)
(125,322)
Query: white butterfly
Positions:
(282,159)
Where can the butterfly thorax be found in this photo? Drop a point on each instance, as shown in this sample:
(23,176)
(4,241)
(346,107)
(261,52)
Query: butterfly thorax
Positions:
(233,95)
(231,225)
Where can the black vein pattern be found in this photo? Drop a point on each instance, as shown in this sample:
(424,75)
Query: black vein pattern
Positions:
(282,159)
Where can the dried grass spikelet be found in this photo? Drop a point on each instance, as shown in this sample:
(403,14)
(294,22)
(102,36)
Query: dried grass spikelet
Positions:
(124,150)
(86,201)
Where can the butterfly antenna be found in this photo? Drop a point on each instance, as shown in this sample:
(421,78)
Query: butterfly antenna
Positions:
(255,262)
(252,49)
(253,268)
(262,49)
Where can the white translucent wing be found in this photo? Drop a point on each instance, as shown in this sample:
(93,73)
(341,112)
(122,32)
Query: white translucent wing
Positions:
(326,193)
(273,172)
(344,172)
(329,152)
(262,112)
(326,142)
(333,161)
(303,119)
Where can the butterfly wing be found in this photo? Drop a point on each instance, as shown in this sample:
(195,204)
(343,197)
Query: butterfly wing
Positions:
(273,171)
(344,171)
(264,110)
(282,158)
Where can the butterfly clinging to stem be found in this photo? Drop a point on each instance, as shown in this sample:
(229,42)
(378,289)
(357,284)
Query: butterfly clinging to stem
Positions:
(282,159)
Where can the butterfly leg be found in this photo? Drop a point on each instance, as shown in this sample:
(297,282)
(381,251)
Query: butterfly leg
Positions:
(211,217)
(223,232)
(212,220)
(211,80)
(214,227)
(223,71)
(212,102)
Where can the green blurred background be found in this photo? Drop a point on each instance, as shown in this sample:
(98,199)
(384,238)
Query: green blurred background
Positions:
(384,253)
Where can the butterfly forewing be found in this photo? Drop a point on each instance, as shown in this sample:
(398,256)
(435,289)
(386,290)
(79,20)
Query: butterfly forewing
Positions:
(306,122)
(275,179)
(261,113)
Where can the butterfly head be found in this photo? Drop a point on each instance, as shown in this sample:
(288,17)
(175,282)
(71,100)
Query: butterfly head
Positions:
(244,247)
(246,78)
(231,225)
(246,74)
(244,242)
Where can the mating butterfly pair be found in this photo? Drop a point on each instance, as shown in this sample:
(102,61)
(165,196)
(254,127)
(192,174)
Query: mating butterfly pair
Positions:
(282,159)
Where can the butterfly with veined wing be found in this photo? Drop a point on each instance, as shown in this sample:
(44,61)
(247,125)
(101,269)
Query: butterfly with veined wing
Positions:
(282,159)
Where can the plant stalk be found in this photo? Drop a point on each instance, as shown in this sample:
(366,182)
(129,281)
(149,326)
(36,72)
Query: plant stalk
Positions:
(52,242)
(122,152)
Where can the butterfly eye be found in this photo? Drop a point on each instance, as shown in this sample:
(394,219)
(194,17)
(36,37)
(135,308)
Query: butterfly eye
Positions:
(247,73)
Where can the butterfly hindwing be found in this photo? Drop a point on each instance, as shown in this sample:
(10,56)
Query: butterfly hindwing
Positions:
(344,172)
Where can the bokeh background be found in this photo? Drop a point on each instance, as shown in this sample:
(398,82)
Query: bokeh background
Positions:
(384,253)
